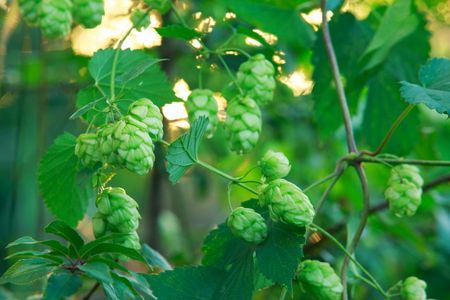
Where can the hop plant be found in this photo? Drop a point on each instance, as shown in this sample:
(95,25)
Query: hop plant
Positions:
(287,203)
(274,165)
(87,149)
(55,18)
(202,103)
(319,280)
(404,190)
(243,124)
(88,13)
(148,113)
(162,6)
(413,289)
(256,78)
(140,19)
(248,225)
(29,11)
(409,173)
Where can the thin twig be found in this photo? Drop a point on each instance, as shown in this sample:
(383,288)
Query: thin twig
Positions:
(91,291)
(392,161)
(359,230)
(337,79)
(339,172)
(391,130)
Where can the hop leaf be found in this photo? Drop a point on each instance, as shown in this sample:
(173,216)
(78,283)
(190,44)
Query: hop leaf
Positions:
(256,78)
(248,225)
(202,103)
(29,11)
(319,279)
(413,289)
(287,203)
(243,125)
(274,165)
(87,149)
(88,13)
(148,113)
(55,18)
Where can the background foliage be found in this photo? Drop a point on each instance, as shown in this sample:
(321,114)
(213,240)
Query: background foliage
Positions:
(380,47)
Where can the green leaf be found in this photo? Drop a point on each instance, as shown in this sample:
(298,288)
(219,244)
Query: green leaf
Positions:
(123,288)
(182,153)
(63,230)
(285,23)
(187,283)
(178,31)
(26,271)
(279,255)
(434,90)
(112,264)
(238,282)
(222,248)
(384,101)
(66,192)
(351,35)
(85,251)
(137,76)
(398,22)
(50,256)
(109,248)
(61,285)
(28,240)
(254,35)
(97,270)
(154,258)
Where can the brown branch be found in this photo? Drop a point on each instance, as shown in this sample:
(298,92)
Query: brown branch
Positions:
(91,291)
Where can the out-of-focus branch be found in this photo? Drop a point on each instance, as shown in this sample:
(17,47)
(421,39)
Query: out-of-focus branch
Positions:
(9,24)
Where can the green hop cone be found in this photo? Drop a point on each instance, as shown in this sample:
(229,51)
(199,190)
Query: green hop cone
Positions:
(409,173)
(413,289)
(136,148)
(87,149)
(55,18)
(29,11)
(140,19)
(274,165)
(88,13)
(319,280)
(118,211)
(202,103)
(99,225)
(404,198)
(256,78)
(287,203)
(108,144)
(243,125)
(162,6)
(131,241)
(248,225)
(148,113)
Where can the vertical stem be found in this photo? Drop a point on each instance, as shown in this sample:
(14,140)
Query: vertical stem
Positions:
(337,80)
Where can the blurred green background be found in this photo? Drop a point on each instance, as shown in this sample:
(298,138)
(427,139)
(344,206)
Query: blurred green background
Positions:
(40,78)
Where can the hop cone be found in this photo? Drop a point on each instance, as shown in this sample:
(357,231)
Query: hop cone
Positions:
(88,13)
(319,280)
(248,225)
(131,241)
(243,125)
(287,203)
(413,289)
(409,173)
(404,198)
(108,144)
(87,149)
(202,103)
(274,165)
(29,10)
(55,18)
(118,211)
(256,78)
(162,6)
(136,148)
(148,113)
(404,190)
